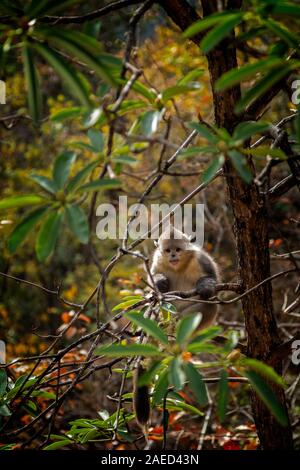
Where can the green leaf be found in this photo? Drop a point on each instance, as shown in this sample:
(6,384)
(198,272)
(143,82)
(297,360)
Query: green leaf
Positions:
(223,395)
(126,350)
(4,410)
(21,231)
(280,30)
(48,236)
(268,396)
(177,375)
(67,113)
(263,151)
(191,76)
(58,444)
(44,182)
(240,163)
(196,383)
(263,369)
(32,83)
(62,168)
(3,382)
(186,327)
(96,139)
(149,326)
(220,32)
(241,74)
(261,87)
(104,183)
(204,132)
(21,201)
(141,89)
(160,388)
(125,304)
(206,334)
(80,176)
(210,172)
(204,24)
(178,405)
(193,151)
(78,222)
(67,73)
(284,8)
(245,130)
(125,159)
(177,90)
(148,122)
(79,46)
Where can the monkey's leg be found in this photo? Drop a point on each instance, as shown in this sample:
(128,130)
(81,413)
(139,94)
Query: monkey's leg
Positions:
(161,282)
(209,313)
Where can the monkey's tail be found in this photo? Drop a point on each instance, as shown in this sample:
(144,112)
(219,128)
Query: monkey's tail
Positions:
(141,401)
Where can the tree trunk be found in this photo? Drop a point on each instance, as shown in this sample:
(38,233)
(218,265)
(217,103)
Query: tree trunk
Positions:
(252,243)
(250,227)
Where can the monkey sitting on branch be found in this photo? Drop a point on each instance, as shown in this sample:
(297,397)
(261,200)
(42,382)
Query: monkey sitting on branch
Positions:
(181,265)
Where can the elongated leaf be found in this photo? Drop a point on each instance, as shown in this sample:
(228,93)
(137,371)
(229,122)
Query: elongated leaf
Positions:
(204,132)
(96,139)
(146,92)
(178,405)
(264,151)
(263,369)
(280,30)
(223,395)
(21,201)
(67,73)
(210,172)
(204,24)
(149,326)
(147,123)
(190,76)
(192,151)
(33,84)
(285,8)
(67,113)
(127,303)
(44,182)
(160,388)
(70,45)
(58,444)
(177,90)
(177,375)
(80,176)
(206,334)
(21,231)
(268,396)
(126,350)
(261,87)
(105,183)
(196,383)
(240,163)
(62,168)
(241,74)
(186,327)
(244,130)
(220,32)
(48,236)
(78,222)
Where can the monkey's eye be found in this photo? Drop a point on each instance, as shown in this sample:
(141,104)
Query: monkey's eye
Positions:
(168,250)
(178,250)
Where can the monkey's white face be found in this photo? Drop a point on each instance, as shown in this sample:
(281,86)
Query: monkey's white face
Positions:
(175,253)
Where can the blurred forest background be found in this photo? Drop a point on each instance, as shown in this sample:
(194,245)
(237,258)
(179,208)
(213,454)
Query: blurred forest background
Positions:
(58,123)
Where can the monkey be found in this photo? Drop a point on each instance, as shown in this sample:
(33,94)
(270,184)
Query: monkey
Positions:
(180,265)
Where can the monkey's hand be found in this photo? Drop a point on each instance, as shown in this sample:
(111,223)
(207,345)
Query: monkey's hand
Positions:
(162,283)
(206,287)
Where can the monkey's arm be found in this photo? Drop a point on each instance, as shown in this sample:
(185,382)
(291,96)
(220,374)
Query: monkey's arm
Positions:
(206,285)
(162,282)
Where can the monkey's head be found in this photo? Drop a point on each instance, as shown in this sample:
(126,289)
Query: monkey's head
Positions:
(176,250)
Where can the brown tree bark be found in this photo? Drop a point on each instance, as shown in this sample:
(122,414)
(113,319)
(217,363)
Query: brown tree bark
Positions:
(250,229)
